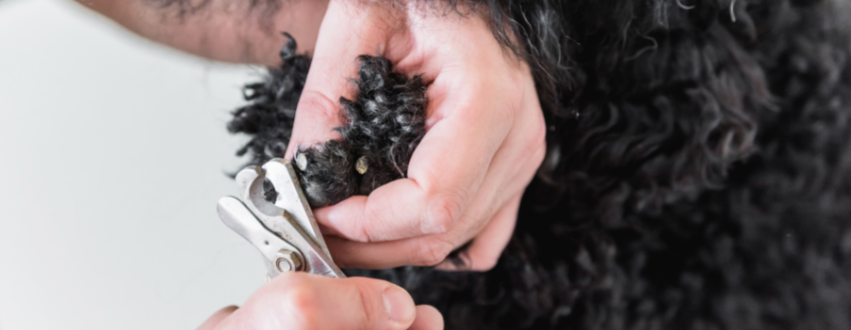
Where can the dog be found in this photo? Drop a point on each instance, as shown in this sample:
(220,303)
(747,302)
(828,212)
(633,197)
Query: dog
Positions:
(698,168)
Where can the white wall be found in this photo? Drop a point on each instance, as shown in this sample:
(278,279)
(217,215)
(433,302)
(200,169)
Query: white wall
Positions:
(112,154)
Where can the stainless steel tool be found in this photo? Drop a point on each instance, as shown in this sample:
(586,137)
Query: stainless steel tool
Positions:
(283,229)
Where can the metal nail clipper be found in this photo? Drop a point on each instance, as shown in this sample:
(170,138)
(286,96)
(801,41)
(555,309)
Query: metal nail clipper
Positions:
(283,229)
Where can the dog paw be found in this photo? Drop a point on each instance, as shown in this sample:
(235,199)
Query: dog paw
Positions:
(384,124)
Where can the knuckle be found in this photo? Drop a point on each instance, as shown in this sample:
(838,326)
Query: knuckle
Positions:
(539,127)
(442,213)
(539,146)
(289,299)
(433,253)
(537,143)
(538,157)
(301,300)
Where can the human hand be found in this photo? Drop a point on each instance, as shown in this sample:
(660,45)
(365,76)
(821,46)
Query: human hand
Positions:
(485,128)
(301,301)
(484,140)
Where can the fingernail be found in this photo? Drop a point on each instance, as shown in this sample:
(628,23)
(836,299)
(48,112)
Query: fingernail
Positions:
(398,304)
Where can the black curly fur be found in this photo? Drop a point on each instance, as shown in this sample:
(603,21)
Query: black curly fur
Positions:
(270,115)
(384,124)
(698,173)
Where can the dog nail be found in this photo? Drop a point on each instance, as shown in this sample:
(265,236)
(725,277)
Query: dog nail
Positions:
(301,161)
(361,165)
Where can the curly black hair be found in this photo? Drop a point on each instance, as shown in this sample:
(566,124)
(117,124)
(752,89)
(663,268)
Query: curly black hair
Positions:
(384,124)
(698,169)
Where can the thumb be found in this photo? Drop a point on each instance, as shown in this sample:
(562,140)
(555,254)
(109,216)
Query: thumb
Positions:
(348,30)
(305,301)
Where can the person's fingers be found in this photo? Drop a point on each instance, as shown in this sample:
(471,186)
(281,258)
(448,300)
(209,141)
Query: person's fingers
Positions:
(519,155)
(418,251)
(405,208)
(484,252)
(431,250)
(445,172)
(520,158)
(303,301)
(212,322)
(347,31)
(428,318)
(466,125)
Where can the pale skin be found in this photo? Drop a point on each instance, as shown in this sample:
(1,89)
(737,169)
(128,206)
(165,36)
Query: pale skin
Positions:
(303,301)
(484,140)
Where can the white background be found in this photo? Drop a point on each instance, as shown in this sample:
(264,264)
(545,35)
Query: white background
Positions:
(113,153)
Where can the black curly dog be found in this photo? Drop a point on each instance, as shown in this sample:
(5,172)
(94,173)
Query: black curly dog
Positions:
(698,173)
